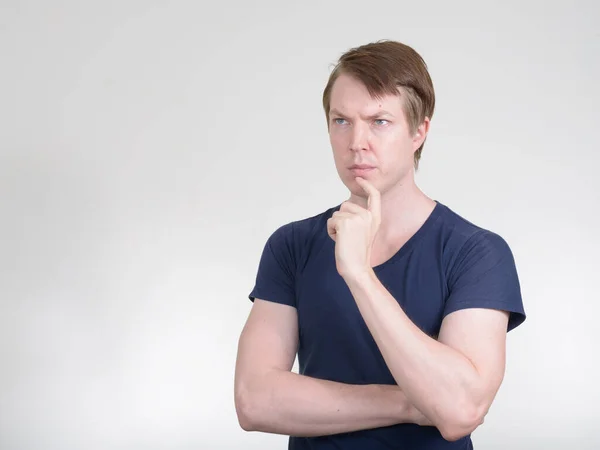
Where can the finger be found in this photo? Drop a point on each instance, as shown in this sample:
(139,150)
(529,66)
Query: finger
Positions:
(340,215)
(334,221)
(352,208)
(331,231)
(374,199)
(337,217)
(332,225)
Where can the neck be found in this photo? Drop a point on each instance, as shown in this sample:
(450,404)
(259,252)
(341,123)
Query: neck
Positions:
(404,207)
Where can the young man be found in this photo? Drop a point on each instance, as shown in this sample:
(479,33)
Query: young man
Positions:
(397,307)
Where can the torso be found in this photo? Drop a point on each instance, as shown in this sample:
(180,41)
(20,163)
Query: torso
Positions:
(335,344)
(334,341)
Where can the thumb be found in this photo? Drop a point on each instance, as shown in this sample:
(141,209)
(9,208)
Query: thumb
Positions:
(331,230)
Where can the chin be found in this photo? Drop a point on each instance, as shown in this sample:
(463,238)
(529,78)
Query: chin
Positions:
(355,188)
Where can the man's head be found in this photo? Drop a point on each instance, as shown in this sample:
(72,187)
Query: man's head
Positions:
(367,82)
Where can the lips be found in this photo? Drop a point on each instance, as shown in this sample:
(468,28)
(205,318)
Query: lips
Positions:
(361,166)
(361,170)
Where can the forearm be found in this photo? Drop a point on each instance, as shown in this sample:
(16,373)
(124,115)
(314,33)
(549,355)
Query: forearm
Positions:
(436,379)
(287,403)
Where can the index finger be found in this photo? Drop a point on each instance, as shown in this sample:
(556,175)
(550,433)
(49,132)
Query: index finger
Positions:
(374,199)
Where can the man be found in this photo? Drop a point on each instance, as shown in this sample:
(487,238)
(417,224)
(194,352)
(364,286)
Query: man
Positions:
(397,307)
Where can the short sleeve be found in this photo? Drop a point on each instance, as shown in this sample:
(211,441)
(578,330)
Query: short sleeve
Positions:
(485,276)
(275,278)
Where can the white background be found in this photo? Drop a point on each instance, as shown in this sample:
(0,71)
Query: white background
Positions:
(148,150)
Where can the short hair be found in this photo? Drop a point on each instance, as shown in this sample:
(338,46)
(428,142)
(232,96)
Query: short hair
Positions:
(389,67)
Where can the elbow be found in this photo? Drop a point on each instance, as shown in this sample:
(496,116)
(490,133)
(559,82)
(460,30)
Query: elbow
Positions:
(462,423)
(244,411)
(247,410)
(245,419)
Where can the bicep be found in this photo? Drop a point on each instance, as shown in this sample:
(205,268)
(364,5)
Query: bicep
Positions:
(269,339)
(479,334)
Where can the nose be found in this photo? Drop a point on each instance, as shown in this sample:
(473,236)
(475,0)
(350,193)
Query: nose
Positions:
(359,139)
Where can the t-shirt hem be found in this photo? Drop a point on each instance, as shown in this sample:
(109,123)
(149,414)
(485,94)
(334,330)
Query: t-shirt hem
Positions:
(271,296)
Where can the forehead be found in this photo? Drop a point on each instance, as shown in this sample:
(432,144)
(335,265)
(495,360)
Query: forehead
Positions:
(350,94)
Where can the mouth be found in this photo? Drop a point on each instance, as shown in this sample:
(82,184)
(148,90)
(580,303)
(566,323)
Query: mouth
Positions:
(361,166)
(361,169)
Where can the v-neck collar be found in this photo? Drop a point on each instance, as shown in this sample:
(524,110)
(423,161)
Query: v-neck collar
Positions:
(414,239)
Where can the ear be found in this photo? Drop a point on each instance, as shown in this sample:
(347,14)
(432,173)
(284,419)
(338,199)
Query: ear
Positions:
(421,134)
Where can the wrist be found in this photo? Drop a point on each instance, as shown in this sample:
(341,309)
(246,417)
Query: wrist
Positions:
(358,276)
(406,411)
(391,402)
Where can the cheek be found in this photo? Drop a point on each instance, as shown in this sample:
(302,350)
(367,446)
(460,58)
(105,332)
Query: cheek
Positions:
(401,143)
(336,138)
(395,155)
(338,145)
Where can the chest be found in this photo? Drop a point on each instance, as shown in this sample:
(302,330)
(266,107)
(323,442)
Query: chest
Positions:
(326,305)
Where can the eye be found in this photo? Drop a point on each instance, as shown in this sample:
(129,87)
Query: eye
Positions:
(339,121)
(378,121)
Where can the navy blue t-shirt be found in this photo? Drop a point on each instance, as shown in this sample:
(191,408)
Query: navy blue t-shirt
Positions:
(447,265)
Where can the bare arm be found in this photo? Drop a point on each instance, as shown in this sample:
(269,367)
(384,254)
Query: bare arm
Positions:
(270,398)
(454,379)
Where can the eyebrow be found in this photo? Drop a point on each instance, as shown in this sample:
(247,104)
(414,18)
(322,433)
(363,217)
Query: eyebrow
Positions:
(372,116)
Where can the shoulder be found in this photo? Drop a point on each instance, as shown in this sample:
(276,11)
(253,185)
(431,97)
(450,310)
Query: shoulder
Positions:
(298,235)
(461,236)
(471,249)
(305,227)
(465,243)
(481,271)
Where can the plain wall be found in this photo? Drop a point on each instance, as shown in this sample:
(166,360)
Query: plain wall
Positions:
(148,150)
